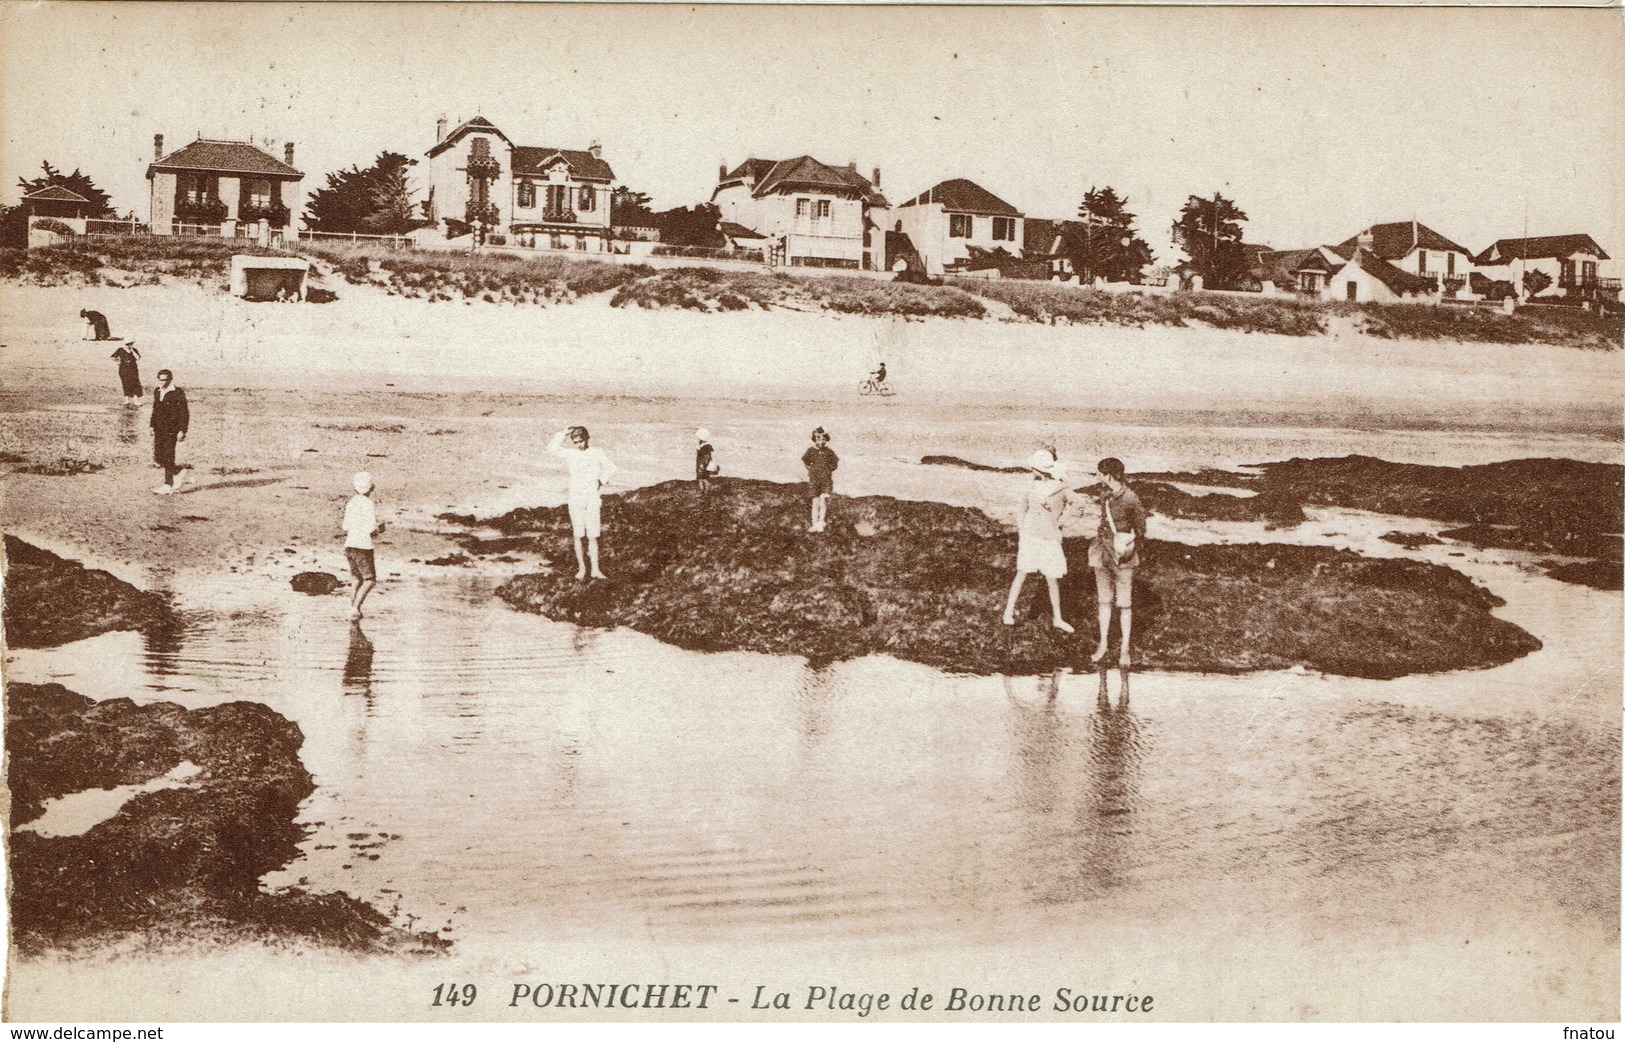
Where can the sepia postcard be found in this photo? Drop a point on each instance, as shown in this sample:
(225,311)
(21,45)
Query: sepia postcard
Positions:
(558,514)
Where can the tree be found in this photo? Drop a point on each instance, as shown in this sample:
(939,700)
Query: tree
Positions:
(699,226)
(1536,282)
(629,209)
(1110,248)
(1209,231)
(374,201)
(100,203)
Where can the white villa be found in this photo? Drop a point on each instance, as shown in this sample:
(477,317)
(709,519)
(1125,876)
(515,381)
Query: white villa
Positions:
(1572,262)
(1416,249)
(530,195)
(947,220)
(809,214)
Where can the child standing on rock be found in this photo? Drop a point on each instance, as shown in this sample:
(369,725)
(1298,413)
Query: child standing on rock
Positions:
(704,467)
(1038,535)
(590,470)
(820,461)
(1115,554)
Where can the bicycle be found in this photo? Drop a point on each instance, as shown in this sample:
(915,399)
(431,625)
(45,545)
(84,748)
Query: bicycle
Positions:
(873,386)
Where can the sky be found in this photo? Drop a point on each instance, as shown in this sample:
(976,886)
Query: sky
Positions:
(1316,121)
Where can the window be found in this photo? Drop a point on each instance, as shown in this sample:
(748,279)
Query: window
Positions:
(589,199)
(1567,278)
(194,188)
(1421,262)
(557,241)
(960,225)
(256,193)
(581,242)
(527,194)
(1004,228)
(803,209)
(1588,272)
(558,198)
(1307,280)
(821,210)
(1353,290)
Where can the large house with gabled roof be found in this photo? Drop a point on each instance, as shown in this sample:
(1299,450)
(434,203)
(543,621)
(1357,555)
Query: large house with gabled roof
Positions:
(809,214)
(1570,262)
(951,222)
(538,196)
(1416,249)
(230,188)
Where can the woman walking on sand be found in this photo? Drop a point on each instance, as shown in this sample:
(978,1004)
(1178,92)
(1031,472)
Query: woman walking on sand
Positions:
(129,373)
(1114,555)
(1038,536)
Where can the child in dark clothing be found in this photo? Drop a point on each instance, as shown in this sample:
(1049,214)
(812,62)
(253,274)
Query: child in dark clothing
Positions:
(820,461)
(704,468)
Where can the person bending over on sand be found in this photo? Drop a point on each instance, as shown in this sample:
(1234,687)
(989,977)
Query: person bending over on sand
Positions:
(129,373)
(1038,535)
(820,461)
(360,525)
(1115,553)
(170,418)
(98,324)
(590,470)
(704,467)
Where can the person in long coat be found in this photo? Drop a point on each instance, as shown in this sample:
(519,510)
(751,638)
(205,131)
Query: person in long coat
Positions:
(129,373)
(170,418)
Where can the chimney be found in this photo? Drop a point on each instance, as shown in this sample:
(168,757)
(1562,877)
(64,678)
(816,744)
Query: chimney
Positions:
(157,147)
(440,130)
(876,179)
(722,172)
(1366,240)
(287,153)
(852,165)
(597,149)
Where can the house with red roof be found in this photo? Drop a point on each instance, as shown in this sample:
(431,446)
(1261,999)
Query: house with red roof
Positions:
(957,220)
(810,214)
(537,196)
(1416,249)
(228,188)
(1570,262)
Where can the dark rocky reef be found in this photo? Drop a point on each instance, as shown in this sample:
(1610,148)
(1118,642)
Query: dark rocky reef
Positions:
(51,600)
(175,864)
(737,570)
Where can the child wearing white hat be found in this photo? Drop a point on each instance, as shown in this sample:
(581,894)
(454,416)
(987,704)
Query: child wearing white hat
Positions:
(1038,535)
(360,525)
(705,467)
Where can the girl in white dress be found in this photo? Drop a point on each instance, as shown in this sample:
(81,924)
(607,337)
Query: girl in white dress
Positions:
(1038,536)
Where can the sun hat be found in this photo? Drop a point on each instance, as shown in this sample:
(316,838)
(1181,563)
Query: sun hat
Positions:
(1044,461)
(362,482)
(703,434)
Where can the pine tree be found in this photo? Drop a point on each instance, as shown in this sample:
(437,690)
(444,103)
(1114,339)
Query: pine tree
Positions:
(374,201)
(1109,246)
(100,202)
(1209,231)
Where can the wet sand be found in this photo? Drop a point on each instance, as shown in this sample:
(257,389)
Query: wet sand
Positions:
(1327,841)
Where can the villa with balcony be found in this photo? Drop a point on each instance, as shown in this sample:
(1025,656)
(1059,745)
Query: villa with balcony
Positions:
(809,214)
(229,188)
(1570,264)
(482,184)
(1416,249)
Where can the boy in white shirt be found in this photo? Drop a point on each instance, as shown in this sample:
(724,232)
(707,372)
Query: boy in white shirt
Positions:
(590,470)
(360,525)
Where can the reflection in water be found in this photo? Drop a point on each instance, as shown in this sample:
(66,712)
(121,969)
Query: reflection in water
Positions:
(129,429)
(358,666)
(816,692)
(614,785)
(1074,785)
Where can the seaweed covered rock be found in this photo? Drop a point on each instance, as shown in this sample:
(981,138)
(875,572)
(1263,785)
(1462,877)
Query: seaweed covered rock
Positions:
(174,862)
(51,600)
(737,570)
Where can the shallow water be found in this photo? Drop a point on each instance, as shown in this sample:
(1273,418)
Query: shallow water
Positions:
(510,779)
